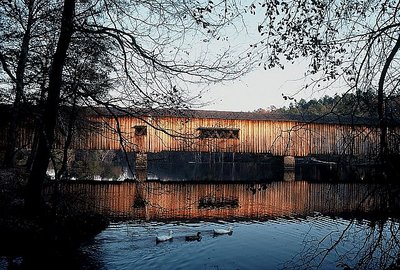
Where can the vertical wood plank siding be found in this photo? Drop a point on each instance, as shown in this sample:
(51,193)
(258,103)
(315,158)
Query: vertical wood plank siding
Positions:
(255,136)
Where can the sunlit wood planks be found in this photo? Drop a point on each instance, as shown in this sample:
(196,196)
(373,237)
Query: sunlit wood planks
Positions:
(255,134)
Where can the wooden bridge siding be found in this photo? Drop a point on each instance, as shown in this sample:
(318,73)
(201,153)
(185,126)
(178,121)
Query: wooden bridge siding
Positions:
(24,137)
(254,136)
(394,140)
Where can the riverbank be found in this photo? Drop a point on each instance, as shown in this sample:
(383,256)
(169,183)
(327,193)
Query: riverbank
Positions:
(57,229)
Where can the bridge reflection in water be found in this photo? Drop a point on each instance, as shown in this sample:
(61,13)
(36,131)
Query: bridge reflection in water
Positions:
(210,201)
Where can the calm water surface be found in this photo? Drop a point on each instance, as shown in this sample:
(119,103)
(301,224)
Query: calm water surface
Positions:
(298,243)
(279,225)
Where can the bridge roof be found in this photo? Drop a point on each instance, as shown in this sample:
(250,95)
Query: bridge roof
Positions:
(230,115)
(210,114)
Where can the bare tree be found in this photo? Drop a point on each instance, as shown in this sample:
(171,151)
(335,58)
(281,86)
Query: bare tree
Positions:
(51,107)
(21,29)
(149,46)
(356,42)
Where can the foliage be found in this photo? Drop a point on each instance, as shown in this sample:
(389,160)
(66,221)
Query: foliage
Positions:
(355,43)
(362,104)
(89,164)
(341,39)
(113,53)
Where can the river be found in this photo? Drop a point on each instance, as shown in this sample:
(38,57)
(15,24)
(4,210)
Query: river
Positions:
(277,225)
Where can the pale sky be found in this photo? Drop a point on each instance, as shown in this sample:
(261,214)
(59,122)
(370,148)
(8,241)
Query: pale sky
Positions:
(261,89)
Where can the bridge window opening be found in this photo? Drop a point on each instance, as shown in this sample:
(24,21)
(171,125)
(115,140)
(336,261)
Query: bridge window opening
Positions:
(140,130)
(218,133)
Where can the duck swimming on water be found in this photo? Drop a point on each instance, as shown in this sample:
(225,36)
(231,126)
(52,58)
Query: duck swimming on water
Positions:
(196,237)
(223,231)
(163,238)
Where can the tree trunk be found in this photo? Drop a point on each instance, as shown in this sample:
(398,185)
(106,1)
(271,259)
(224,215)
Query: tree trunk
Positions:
(19,91)
(37,121)
(383,125)
(68,140)
(49,118)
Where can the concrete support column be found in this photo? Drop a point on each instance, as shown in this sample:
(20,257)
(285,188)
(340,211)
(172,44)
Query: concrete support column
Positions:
(289,166)
(141,166)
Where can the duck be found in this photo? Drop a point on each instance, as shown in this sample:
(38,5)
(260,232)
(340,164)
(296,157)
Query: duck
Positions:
(196,237)
(223,231)
(163,238)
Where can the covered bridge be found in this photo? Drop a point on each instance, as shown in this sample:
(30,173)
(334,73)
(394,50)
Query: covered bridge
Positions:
(240,132)
(160,130)
(200,131)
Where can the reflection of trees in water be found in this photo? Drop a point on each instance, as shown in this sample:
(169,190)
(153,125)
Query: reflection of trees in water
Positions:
(359,242)
(357,246)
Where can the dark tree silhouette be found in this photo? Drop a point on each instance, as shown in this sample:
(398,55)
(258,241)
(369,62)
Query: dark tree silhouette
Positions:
(356,42)
(141,51)
(51,107)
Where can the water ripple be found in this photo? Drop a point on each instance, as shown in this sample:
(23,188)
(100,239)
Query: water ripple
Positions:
(269,244)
